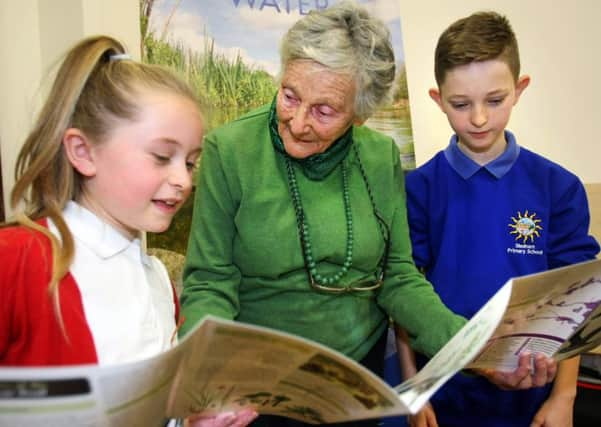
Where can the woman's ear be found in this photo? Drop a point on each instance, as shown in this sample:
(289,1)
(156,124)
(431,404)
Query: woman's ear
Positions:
(79,152)
(358,121)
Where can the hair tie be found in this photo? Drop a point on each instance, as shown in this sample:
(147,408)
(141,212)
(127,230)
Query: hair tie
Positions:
(119,56)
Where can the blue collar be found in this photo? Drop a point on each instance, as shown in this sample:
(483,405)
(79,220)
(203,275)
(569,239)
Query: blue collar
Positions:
(498,167)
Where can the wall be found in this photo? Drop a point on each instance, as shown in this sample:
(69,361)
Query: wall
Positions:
(33,36)
(20,62)
(558,114)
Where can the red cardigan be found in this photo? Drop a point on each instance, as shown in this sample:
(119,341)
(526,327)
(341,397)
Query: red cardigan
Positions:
(30,334)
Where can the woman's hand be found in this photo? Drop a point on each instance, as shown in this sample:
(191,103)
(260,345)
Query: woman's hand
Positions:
(225,419)
(544,370)
(425,417)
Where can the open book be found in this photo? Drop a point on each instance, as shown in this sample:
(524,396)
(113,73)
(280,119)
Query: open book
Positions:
(224,365)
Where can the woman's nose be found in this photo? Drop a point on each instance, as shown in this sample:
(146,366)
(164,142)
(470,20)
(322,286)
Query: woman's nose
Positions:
(299,122)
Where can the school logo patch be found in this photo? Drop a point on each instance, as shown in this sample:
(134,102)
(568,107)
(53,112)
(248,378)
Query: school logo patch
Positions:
(525,226)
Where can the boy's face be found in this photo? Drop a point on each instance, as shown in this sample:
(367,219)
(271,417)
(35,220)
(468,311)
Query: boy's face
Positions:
(477,99)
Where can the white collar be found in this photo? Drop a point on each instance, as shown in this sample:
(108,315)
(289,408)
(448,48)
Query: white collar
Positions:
(101,238)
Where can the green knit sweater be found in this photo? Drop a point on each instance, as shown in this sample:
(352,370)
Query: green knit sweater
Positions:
(244,258)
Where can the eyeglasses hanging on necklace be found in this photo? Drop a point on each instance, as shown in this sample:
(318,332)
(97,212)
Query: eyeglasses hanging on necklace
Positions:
(321,282)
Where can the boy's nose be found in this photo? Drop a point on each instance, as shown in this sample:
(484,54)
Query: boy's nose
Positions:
(479,116)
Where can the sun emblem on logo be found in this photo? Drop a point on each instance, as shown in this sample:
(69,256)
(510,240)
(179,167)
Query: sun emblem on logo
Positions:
(525,226)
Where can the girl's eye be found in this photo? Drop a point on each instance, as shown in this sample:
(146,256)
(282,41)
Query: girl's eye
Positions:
(160,158)
(190,166)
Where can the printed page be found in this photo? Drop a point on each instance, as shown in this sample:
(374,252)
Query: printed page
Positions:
(544,311)
(225,365)
(276,373)
(457,353)
(585,338)
(31,397)
(221,365)
(130,394)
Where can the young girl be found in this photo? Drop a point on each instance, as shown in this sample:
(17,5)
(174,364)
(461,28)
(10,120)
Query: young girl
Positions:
(111,155)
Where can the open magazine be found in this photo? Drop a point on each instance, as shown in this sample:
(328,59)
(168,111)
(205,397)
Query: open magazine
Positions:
(224,365)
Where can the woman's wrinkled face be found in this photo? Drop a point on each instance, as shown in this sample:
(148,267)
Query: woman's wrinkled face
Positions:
(315,106)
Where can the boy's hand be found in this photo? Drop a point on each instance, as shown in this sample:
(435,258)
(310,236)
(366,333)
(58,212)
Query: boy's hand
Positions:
(557,411)
(225,419)
(543,372)
(425,417)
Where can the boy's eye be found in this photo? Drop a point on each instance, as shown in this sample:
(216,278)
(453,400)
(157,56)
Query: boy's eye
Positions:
(458,105)
(495,101)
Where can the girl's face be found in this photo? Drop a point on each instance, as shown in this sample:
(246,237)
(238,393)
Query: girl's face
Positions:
(142,173)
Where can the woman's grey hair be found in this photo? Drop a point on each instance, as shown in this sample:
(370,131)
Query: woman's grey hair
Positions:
(346,38)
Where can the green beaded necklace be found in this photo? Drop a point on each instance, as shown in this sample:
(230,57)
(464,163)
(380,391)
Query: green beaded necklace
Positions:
(317,167)
(319,281)
(303,228)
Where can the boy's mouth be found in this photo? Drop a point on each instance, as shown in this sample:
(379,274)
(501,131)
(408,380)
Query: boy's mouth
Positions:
(479,135)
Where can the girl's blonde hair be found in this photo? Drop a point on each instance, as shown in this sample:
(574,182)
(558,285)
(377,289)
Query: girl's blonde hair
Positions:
(96,87)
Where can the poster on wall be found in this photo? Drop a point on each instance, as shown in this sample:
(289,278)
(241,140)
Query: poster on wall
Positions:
(229,52)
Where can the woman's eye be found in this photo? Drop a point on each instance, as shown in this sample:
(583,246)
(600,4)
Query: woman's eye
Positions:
(323,112)
(289,97)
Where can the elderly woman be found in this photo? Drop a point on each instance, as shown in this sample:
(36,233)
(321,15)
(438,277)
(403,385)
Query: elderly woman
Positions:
(299,218)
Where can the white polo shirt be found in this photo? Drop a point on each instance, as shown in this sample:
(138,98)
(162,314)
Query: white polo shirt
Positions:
(127,295)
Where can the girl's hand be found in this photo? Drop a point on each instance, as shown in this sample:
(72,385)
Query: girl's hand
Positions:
(225,419)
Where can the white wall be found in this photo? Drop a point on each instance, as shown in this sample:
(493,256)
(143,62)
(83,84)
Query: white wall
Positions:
(33,36)
(558,115)
(20,63)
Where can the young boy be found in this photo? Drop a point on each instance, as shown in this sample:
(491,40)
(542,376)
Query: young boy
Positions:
(486,209)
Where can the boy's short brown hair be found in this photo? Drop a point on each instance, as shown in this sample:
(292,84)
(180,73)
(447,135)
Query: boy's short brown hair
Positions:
(481,36)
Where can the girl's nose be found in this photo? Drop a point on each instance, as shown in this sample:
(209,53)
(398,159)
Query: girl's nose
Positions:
(181,177)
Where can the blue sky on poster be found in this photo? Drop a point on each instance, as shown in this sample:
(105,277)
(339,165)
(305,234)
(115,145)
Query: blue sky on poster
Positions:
(251,28)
